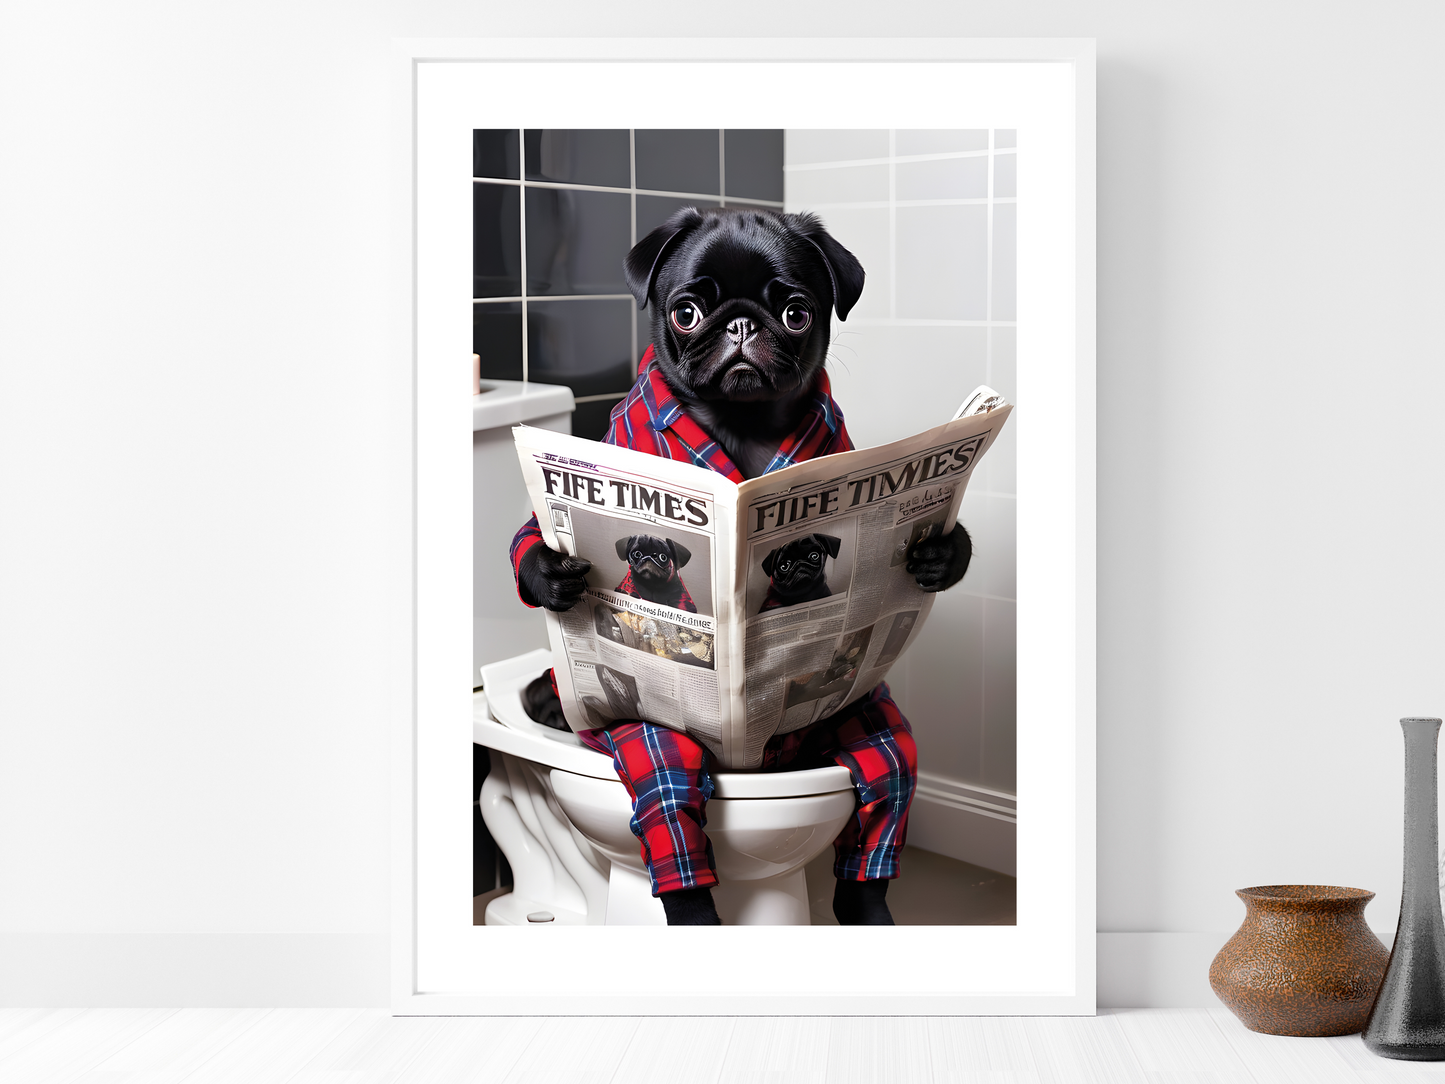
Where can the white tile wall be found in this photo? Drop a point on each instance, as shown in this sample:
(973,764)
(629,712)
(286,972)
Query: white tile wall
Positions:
(909,141)
(841,184)
(943,178)
(828,145)
(940,262)
(942,363)
(1002,244)
(931,216)
(870,238)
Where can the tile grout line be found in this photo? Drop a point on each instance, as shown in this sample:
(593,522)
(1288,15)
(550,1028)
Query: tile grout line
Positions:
(906,159)
(632,228)
(522,227)
(574,186)
(514,298)
(943,201)
(988,275)
(892,226)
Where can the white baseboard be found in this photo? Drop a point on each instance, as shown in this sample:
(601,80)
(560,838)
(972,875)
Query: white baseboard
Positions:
(1157,970)
(966,822)
(58,970)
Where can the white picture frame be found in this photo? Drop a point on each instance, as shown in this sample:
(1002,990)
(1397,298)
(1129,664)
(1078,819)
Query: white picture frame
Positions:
(1045,964)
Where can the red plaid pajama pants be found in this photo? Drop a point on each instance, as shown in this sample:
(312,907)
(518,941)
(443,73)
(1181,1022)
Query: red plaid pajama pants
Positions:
(667,775)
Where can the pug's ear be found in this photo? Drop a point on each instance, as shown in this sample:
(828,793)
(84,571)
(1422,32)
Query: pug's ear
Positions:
(831,544)
(844,269)
(768,563)
(623,545)
(648,255)
(681,555)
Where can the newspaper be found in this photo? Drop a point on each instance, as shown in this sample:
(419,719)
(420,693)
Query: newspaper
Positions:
(756,609)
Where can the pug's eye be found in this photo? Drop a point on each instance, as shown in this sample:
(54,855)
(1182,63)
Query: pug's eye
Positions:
(812,556)
(785,565)
(796,318)
(686,316)
(637,555)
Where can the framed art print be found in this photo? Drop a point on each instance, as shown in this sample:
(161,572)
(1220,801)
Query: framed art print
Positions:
(960,176)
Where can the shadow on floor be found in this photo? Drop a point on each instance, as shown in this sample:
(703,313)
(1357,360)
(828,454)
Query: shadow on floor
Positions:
(931,890)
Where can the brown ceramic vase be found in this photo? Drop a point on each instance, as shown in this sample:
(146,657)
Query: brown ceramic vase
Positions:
(1303,963)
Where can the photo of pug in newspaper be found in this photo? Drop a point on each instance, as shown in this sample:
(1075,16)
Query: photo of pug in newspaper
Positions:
(656,567)
(650,567)
(799,567)
(652,570)
(797,571)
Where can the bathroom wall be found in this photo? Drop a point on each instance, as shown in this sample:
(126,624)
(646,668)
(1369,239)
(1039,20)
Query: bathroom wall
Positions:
(590,194)
(931,217)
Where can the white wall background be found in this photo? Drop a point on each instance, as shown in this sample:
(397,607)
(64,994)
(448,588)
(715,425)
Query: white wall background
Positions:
(199,535)
(931,215)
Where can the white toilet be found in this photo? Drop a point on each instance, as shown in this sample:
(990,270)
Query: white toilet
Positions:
(560,815)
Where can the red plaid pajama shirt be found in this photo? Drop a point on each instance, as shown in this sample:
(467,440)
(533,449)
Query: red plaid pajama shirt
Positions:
(666,772)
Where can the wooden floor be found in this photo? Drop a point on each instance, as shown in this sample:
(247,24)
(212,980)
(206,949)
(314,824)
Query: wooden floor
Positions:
(353,1046)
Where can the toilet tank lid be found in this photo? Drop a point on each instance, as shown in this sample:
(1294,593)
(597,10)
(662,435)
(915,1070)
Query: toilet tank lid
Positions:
(510,402)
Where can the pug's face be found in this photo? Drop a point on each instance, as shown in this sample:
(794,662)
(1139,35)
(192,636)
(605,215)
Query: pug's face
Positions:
(799,566)
(741,299)
(653,561)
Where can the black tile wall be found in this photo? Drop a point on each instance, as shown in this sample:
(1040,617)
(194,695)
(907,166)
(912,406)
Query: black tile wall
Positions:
(496,241)
(678,160)
(586,345)
(494,153)
(653,211)
(576,240)
(497,337)
(580,156)
(753,159)
(590,419)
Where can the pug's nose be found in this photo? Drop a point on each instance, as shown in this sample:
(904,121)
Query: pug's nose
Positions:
(741,328)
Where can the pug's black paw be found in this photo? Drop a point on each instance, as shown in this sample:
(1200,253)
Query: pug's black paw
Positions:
(552,579)
(939,562)
(542,704)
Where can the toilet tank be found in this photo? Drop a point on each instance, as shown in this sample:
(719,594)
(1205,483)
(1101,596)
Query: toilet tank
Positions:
(501,626)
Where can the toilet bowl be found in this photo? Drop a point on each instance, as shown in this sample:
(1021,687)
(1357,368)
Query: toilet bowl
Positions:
(560,814)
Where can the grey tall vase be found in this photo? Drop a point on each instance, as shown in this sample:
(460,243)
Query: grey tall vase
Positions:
(1408,1020)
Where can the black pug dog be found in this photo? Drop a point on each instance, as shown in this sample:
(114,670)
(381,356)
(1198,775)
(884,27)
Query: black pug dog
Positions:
(652,565)
(741,300)
(796,571)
